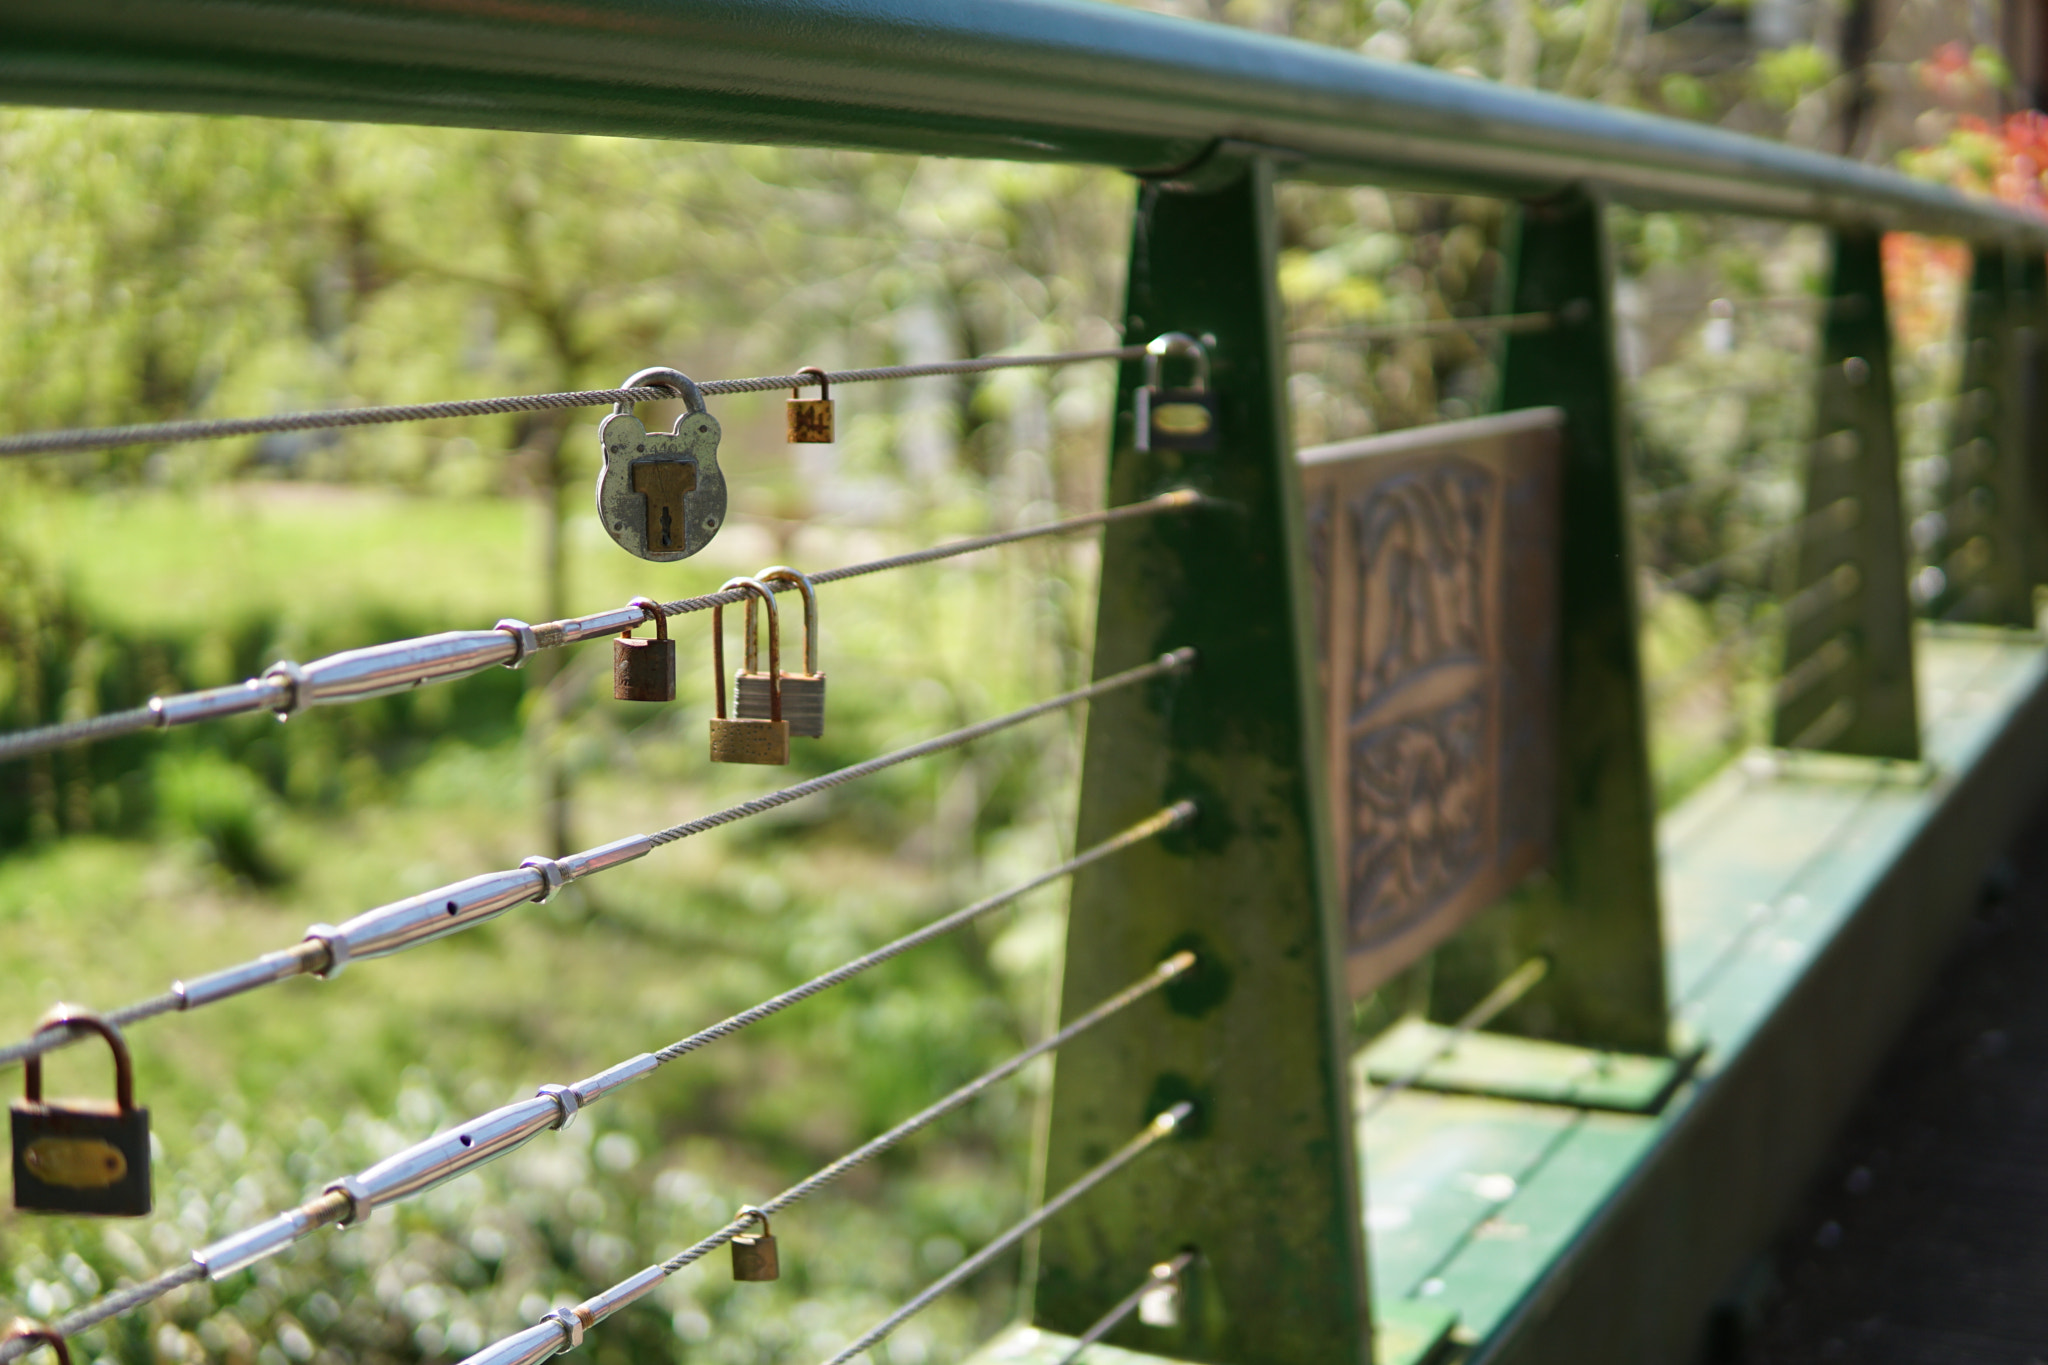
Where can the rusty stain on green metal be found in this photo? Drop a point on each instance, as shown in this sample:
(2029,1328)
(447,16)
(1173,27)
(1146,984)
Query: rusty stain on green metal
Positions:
(1596,916)
(1847,684)
(1265,1186)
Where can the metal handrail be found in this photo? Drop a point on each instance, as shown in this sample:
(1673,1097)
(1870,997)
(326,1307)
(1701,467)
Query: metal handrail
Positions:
(1038,80)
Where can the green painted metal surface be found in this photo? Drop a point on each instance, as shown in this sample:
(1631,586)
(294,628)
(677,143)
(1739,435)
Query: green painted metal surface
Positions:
(1264,1186)
(1057,80)
(1407,1333)
(1847,683)
(1808,905)
(1520,1068)
(1985,518)
(1595,916)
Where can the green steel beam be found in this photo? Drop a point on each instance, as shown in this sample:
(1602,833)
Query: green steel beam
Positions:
(1054,80)
(1595,916)
(1847,684)
(1265,1186)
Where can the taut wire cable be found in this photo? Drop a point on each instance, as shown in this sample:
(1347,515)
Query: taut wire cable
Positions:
(221,428)
(1517,984)
(375,670)
(458,1150)
(1166,1272)
(435,914)
(1510,323)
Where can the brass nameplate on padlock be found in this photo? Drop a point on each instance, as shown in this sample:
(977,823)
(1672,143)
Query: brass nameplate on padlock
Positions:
(765,742)
(76,1163)
(1181,419)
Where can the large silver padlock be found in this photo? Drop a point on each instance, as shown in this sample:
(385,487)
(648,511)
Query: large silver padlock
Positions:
(754,1257)
(749,739)
(661,495)
(803,694)
(1175,419)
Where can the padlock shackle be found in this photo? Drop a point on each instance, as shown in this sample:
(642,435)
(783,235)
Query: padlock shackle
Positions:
(27,1329)
(753,586)
(1176,343)
(652,610)
(782,573)
(662,377)
(824,383)
(749,1211)
(72,1016)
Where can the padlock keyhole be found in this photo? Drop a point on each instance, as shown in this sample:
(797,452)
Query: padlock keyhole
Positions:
(668,526)
(664,483)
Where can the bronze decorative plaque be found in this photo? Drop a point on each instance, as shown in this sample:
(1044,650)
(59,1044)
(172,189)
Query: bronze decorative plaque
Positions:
(1435,557)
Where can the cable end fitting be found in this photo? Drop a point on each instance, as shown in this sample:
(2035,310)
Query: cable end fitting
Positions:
(356,1204)
(1177,965)
(287,683)
(566,1099)
(1170,1121)
(1181,813)
(525,643)
(553,879)
(1179,660)
(569,1322)
(332,939)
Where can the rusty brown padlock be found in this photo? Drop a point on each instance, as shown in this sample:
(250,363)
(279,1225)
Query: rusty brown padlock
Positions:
(808,421)
(803,694)
(81,1156)
(745,740)
(645,670)
(754,1257)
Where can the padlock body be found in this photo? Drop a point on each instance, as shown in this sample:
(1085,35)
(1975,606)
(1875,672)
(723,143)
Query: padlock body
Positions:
(803,701)
(643,670)
(750,741)
(809,421)
(1176,419)
(80,1156)
(754,1258)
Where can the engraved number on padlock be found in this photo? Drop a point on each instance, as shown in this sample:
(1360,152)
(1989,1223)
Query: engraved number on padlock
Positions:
(809,420)
(81,1156)
(1175,419)
(803,694)
(744,740)
(753,1253)
(661,495)
(26,1329)
(645,670)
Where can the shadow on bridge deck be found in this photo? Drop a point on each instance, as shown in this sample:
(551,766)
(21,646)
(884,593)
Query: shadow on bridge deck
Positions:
(1926,1238)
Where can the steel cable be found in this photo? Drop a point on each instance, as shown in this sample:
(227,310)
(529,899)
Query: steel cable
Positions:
(287,687)
(1517,984)
(1165,1273)
(1509,323)
(456,1151)
(214,429)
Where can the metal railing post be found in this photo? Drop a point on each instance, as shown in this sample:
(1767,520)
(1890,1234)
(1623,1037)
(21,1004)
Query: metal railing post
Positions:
(1265,1184)
(1596,915)
(1847,684)
(1982,547)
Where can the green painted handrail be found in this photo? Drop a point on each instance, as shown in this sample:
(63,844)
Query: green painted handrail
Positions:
(1058,80)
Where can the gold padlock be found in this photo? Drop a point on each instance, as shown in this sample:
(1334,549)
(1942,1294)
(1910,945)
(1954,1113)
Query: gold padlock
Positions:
(645,670)
(27,1329)
(809,420)
(743,740)
(803,694)
(753,1253)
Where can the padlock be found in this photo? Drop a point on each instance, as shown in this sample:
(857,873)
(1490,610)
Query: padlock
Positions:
(81,1156)
(753,1253)
(809,420)
(1175,419)
(749,740)
(1159,1301)
(645,670)
(27,1329)
(803,694)
(660,494)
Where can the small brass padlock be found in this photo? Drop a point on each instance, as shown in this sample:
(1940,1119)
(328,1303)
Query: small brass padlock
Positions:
(81,1156)
(803,694)
(809,420)
(743,740)
(753,1253)
(27,1329)
(645,670)
(1175,419)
